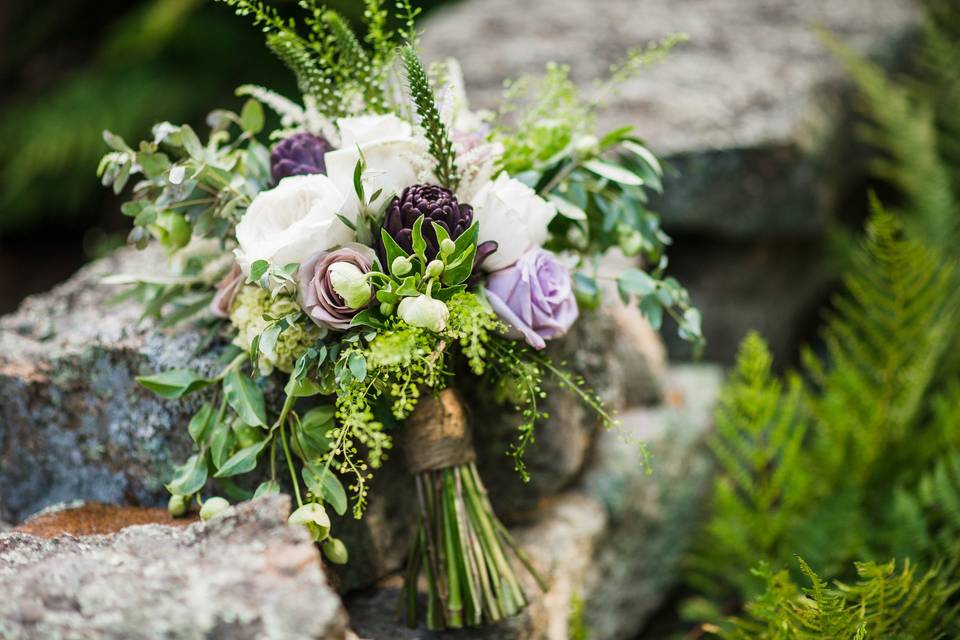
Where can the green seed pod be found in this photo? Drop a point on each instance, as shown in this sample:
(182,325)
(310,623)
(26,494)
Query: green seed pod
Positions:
(434,269)
(447,247)
(401,266)
(213,507)
(177,505)
(335,551)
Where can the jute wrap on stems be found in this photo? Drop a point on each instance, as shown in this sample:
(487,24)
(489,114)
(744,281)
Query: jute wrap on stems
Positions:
(437,434)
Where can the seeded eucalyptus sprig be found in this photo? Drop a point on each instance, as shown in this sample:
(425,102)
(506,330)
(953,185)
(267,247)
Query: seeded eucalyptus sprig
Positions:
(441,147)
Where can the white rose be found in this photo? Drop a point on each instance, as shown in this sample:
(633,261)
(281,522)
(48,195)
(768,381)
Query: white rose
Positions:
(390,150)
(514,216)
(292,221)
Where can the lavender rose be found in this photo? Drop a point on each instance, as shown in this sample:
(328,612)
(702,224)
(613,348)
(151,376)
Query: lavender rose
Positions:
(534,297)
(227,290)
(300,154)
(333,285)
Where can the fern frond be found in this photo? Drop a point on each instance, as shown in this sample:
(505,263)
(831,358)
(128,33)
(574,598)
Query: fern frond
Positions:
(903,128)
(421,93)
(884,339)
(367,77)
(264,16)
(762,486)
(883,603)
(312,79)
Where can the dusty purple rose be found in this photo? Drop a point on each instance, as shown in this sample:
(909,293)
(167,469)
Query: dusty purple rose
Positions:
(318,297)
(300,154)
(534,297)
(227,290)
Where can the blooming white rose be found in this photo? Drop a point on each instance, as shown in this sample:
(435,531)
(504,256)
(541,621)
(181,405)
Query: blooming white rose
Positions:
(390,150)
(292,221)
(514,216)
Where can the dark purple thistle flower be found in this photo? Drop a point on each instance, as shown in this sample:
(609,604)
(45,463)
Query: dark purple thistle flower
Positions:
(436,204)
(300,154)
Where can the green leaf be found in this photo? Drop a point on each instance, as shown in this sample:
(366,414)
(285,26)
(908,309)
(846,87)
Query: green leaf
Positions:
(328,486)
(191,143)
(358,177)
(467,238)
(652,310)
(636,282)
(242,461)
(189,477)
(358,366)
(301,388)
(441,232)
(251,117)
(393,250)
(258,269)
(644,154)
(613,172)
(174,383)
(222,441)
(200,423)
(246,398)
(154,165)
(369,317)
(460,269)
(566,208)
(268,488)
(419,244)
(310,434)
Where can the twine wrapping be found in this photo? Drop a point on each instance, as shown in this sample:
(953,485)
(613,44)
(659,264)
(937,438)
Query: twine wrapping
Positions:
(437,433)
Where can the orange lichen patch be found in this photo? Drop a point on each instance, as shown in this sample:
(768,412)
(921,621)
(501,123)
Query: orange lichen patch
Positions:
(96,518)
(674,398)
(23,370)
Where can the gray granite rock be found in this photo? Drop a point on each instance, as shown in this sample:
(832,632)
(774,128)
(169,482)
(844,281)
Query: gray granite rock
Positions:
(613,541)
(75,425)
(245,574)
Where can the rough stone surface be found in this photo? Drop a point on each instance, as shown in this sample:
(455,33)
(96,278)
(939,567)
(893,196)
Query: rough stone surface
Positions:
(753,115)
(613,540)
(245,574)
(75,425)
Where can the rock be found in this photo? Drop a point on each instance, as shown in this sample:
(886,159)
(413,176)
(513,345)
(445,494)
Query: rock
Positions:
(246,574)
(753,116)
(75,425)
(613,541)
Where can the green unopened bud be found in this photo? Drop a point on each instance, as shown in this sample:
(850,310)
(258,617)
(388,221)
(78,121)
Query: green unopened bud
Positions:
(630,240)
(213,507)
(315,517)
(434,269)
(350,283)
(335,551)
(424,312)
(447,247)
(386,308)
(173,230)
(177,505)
(401,266)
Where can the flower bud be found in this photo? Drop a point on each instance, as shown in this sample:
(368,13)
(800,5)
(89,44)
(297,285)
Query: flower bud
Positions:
(177,506)
(630,241)
(386,308)
(315,517)
(335,551)
(351,283)
(401,266)
(173,230)
(434,269)
(213,507)
(586,144)
(447,247)
(424,312)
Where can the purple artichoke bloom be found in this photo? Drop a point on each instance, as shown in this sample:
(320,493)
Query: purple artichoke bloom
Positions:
(436,204)
(318,297)
(534,297)
(227,290)
(300,154)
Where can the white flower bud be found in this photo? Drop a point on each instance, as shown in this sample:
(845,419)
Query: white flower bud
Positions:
(401,266)
(424,312)
(586,144)
(386,308)
(177,506)
(315,517)
(335,551)
(447,247)
(213,507)
(351,283)
(434,269)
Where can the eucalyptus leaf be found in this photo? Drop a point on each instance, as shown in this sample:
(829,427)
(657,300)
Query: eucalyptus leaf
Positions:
(268,488)
(174,383)
(257,269)
(246,398)
(222,441)
(637,282)
(358,366)
(251,117)
(243,461)
(199,426)
(189,477)
(613,172)
(324,483)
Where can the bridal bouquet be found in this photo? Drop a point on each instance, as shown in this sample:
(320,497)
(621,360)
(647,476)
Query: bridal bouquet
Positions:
(380,246)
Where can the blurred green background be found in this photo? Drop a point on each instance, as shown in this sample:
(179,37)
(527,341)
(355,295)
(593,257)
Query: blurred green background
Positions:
(71,68)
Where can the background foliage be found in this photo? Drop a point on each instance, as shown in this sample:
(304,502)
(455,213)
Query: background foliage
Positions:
(854,460)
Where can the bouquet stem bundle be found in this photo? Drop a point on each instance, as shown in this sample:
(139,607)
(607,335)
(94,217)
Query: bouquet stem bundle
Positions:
(460,545)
